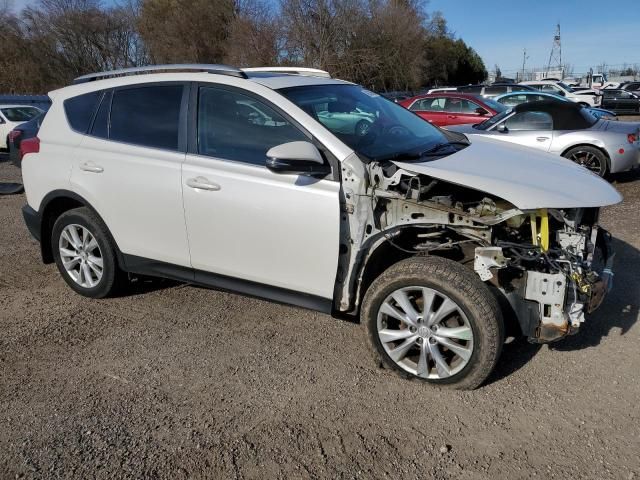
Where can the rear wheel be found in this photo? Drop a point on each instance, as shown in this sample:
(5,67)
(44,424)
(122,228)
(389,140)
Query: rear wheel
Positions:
(85,255)
(589,157)
(432,319)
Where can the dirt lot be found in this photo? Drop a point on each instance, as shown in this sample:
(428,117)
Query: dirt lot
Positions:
(175,381)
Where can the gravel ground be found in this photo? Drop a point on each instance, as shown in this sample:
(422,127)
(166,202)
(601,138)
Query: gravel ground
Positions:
(177,382)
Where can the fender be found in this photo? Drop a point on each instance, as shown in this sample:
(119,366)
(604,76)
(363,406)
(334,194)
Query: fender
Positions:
(52,206)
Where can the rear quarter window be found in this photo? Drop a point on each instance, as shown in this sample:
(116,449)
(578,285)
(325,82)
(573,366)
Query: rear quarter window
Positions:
(79,110)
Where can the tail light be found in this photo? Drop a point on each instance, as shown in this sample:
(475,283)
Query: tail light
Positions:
(632,137)
(13,134)
(30,145)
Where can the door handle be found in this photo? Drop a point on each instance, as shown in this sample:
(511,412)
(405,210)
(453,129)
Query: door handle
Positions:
(202,183)
(91,167)
(542,139)
(453,116)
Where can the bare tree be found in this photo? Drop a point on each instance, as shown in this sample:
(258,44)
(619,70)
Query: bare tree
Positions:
(255,35)
(186,30)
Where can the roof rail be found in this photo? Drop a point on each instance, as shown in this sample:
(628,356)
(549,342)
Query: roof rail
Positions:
(306,72)
(209,68)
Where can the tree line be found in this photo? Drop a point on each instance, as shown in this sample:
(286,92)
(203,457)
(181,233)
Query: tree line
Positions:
(384,44)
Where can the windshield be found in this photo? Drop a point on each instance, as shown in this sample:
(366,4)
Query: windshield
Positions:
(566,87)
(496,106)
(489,122)
(589,116)
(373,126)
(20,114)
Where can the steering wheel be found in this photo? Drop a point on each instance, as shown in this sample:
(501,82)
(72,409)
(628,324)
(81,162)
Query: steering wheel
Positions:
(398,131)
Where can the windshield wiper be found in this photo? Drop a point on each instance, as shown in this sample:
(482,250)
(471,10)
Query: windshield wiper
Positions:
(433,151)
(440,146)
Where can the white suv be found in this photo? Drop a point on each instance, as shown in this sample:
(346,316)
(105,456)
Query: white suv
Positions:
(240,180)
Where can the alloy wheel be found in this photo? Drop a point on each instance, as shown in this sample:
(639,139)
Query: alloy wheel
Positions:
(425,332)
(81,256)
(588,160)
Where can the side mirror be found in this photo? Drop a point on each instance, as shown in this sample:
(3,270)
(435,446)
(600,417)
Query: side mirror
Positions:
(297,158)
(502,128)
(481,111)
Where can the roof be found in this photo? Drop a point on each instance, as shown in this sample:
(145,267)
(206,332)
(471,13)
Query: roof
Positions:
(276,81)
(266,77)
(565,115)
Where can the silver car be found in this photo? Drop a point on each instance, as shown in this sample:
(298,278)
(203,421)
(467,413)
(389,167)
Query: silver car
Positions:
(568,130)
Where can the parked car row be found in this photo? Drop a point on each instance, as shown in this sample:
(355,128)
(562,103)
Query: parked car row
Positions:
(12,116)
(516,98)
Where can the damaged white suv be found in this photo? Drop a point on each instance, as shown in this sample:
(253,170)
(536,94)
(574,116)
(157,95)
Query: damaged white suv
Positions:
(242,180)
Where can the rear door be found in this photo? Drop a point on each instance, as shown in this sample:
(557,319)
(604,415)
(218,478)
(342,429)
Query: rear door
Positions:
(128,168)
(431,109)
(249,227)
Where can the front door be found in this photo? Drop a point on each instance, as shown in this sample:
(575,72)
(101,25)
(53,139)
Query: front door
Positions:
(246,223)
(530,129)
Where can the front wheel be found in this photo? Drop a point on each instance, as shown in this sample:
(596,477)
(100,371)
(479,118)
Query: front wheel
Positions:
(589,157)
(432,319)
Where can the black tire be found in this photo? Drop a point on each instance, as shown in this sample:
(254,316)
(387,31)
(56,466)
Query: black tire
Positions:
(113,279)
(460,285)
(591,158)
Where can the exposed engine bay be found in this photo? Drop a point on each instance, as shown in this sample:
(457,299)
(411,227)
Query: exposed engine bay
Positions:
(550,265)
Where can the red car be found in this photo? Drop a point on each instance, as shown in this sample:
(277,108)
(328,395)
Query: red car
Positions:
(452,108)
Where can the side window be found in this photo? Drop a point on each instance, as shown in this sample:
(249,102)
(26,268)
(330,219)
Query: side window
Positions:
(237,127)
(147,116)
(433,104)
(79,110)
(550,89)
(418,105)
(495,90)
(476,90)
(524,121)
(458,105)
(513,100)
(623,94)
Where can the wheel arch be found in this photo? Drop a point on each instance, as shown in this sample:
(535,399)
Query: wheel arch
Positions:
(380,254)
(54,204)
(591,145)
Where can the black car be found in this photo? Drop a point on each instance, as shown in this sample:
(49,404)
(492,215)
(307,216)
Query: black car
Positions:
(621,101)
(631,87)
(22,132)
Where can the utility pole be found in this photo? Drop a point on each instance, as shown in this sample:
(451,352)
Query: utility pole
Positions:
(524,61)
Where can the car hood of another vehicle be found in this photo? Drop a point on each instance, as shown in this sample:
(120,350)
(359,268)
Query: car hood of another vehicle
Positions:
(527,178)
(464,128)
